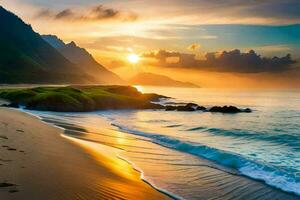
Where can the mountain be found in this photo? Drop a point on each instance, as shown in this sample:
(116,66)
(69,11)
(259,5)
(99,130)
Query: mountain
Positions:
(158,80)
(25,57)
(84,59)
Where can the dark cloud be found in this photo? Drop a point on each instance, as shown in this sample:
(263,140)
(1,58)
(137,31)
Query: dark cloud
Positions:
(64,14)
(227,61)
(95,13)
(101,12)
(276,9)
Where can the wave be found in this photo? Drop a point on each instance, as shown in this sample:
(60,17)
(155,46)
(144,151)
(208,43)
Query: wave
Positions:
(173,126)
(279,138)
(261,171)
(197,128)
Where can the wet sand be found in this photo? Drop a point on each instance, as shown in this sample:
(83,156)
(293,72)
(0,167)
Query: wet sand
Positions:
(199,179)
(37,163)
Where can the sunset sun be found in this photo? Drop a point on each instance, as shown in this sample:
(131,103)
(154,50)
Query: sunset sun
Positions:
(133,58)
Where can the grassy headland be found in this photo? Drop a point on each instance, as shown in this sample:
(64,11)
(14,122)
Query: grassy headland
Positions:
(80,98)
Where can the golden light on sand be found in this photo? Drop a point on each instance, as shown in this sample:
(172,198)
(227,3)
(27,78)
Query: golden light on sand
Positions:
(133,58)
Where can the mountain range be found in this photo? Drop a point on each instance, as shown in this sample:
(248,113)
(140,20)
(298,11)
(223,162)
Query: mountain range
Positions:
(25,57)
(147,78)
(82,58)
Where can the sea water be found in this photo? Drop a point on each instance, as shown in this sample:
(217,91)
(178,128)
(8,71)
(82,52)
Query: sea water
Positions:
(262,145)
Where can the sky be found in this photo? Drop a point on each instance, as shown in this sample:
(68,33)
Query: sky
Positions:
(229,43)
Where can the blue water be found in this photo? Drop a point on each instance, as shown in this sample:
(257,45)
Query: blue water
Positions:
(263,145)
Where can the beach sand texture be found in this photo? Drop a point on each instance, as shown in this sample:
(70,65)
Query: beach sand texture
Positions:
(37,163)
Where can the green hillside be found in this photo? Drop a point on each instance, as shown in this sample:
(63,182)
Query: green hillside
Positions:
(26,58)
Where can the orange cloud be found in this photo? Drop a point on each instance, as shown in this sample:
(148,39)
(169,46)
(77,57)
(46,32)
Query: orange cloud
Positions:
(227,61)
(96,13)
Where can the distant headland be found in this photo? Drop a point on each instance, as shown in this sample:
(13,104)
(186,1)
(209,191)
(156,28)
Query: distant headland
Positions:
(79,98)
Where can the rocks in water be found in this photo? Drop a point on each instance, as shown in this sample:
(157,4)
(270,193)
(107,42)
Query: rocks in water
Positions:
(170,108)
(247,110)
(194,107)
(185,108)
(228,109)
(154,97)
(201,108)
(188,107)
(224,109)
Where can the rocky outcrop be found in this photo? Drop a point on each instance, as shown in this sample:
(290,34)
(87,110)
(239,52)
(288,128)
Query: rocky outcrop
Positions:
(228,109)
(190,107)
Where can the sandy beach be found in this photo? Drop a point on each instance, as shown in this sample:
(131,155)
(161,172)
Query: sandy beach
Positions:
(37,163)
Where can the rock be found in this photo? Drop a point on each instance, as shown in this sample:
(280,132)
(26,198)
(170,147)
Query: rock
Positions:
(188,107)
(170,108)
(153,106)
(154,97)
(247,110)
(185,108)
(201,108)
(225,109)
(193,105)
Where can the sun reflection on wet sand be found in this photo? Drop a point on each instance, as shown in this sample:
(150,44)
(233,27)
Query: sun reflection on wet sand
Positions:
(108,157)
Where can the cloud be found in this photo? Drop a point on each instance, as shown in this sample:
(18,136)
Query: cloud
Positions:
(189,12)
(64,14)
(228,11)
(274,48)
(227,61)
(208,37)
(95,13)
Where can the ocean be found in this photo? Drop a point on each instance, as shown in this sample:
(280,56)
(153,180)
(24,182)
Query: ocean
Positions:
(179,152)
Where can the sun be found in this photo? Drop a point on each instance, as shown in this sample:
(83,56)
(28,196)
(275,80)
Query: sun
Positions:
(133,58)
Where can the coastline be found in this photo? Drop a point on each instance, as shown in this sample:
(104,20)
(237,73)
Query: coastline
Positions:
(211,182)
(106,172)
(37,163)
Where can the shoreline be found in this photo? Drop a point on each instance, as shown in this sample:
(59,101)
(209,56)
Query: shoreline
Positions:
(253,184)
(117,162)
(161,190)
(53,167)
(140,171)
